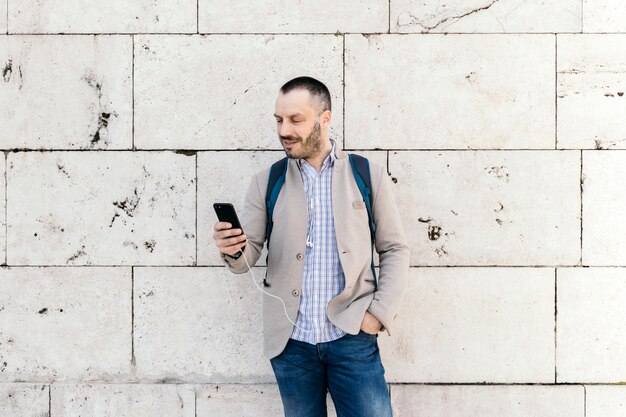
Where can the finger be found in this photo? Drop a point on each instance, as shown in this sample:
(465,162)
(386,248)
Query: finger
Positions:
(221,226)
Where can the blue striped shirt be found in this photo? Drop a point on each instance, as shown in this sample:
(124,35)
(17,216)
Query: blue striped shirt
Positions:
(323,276)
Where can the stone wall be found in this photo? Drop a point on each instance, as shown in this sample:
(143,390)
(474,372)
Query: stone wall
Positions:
(501,122)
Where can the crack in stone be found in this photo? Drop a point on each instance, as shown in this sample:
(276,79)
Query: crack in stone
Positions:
(458,17)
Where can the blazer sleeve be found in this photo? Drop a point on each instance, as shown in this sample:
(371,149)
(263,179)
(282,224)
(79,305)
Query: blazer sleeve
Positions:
(393,250)
(253,222)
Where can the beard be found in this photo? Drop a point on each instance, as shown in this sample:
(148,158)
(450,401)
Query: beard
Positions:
(309,147)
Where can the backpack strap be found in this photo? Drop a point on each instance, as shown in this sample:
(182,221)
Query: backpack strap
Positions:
(278,172)
(361,171)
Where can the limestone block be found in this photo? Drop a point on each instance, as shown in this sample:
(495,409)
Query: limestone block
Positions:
(274,16)
(490,207)
(115,16)
(492,325)
(604,16)
(219,91)
(122,400)
(101,208)
(260,400)
(22,399)
(450,91)
(65,324)
(603,208)
(3,17)
(590,325)
(69,92)
(591,76)
(486,16)
(199,325)
(3,207)
(488,400)
(605,400)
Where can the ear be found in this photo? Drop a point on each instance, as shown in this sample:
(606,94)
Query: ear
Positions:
(325,118)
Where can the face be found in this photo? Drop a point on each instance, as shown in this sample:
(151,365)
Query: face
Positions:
(298,126)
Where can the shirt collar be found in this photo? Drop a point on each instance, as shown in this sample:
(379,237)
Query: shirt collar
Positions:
(330,159)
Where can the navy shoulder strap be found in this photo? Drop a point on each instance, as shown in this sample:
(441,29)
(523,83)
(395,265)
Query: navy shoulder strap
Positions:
(278,172)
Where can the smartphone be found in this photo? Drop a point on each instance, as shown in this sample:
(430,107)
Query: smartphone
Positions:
(226,213)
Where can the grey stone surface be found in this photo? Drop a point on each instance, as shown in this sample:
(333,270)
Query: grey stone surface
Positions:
(23,399)
(275,16)
(114,16)
(604,16)
(65,324)
(493,325)
(122,400)
(486,16)
(101,208)
(603,208)
(202,92)
(490,207)
(488,400)
(449,91)
(605,400)
(66,92)
(199,325)
(590,325)
(591,76)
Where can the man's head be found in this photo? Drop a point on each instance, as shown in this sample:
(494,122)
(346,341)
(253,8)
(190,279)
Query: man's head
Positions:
(303,114)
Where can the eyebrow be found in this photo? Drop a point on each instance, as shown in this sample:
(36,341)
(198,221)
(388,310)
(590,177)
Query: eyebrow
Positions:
(291,115)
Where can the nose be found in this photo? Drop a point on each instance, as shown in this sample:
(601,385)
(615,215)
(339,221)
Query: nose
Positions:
(284,131)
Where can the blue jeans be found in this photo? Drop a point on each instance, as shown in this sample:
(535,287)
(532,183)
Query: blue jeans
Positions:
(349,368)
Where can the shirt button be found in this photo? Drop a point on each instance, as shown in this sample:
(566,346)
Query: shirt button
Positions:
(299,256)
(295,293)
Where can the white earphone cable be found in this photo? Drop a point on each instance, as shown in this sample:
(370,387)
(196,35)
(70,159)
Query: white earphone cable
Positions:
(271,295)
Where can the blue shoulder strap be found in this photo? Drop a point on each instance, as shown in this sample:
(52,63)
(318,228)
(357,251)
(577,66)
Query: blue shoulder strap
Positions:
(278,172)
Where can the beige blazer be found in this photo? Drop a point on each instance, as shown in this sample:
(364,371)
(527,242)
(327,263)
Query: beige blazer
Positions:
(288,247)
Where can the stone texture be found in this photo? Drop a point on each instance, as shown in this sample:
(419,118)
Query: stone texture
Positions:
(275,16)
(590,325)
(604,16)
(603,207)
(201,92)
(65,324)
(490,207)
(491,16)
(223,178)
(3,17)
(473,325)
(114,16)
(21,399)
(605,400)
(488,400)
(122,400)
(236,400)
(199,325)
(3,224)
(591,91)
(96,208)
(69,92)
(450,91)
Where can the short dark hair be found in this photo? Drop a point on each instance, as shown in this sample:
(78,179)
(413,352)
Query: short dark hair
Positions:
(316,88)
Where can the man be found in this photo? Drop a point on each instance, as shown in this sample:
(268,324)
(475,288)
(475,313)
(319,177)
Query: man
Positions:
(319,264)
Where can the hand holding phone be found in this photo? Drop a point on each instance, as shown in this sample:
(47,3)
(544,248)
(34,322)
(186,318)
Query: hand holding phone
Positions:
(228,233)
